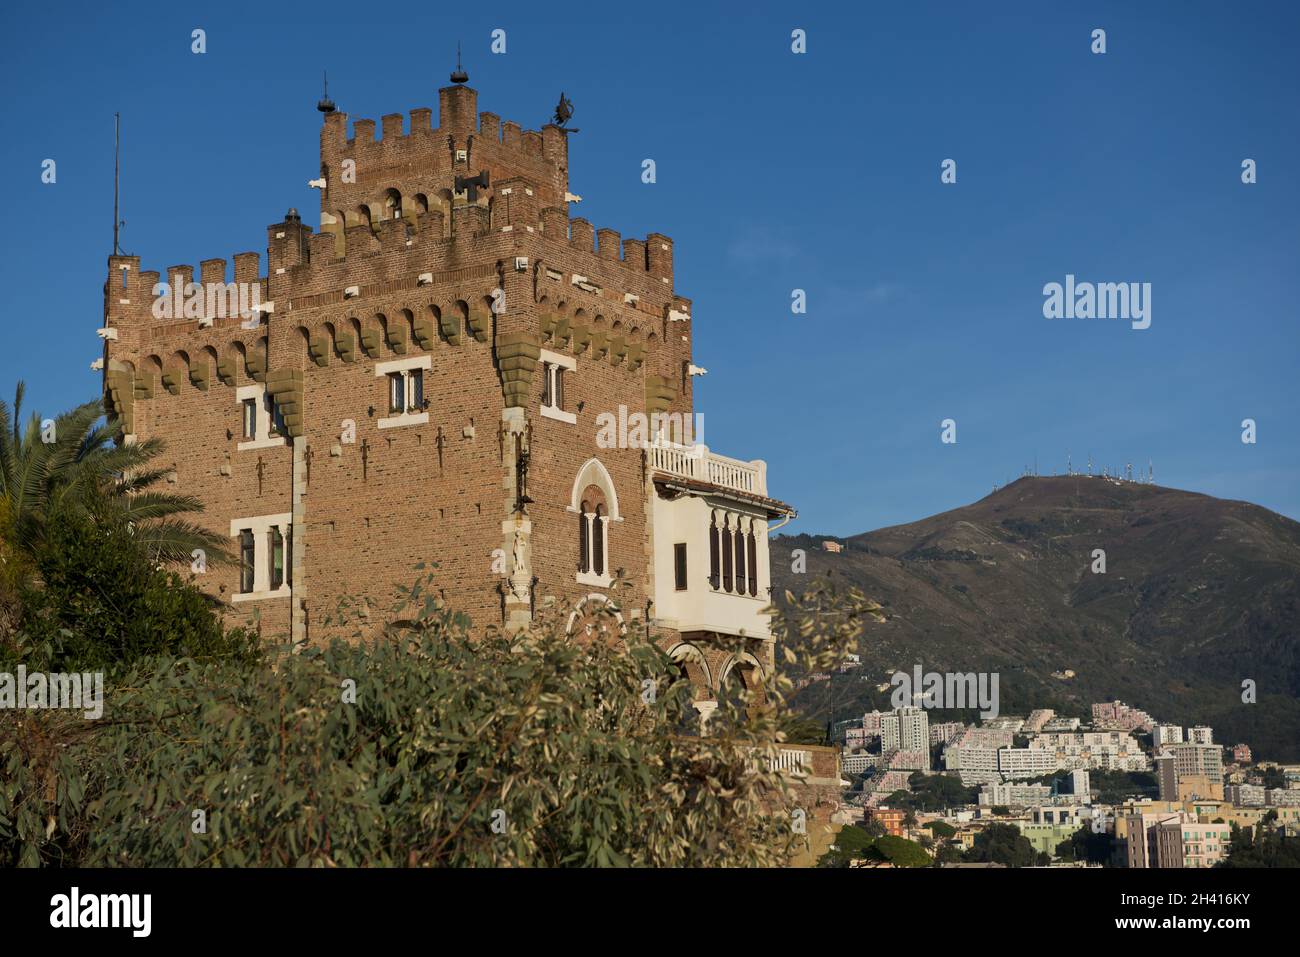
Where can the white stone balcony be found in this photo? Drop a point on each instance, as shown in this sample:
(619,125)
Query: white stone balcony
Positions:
(696,462)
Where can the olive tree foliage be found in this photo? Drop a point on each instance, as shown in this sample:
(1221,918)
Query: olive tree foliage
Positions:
(424,743)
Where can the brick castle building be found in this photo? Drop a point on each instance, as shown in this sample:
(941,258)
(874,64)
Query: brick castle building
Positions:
(449,370)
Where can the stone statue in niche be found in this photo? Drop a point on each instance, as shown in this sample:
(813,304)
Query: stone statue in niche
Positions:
(519,579)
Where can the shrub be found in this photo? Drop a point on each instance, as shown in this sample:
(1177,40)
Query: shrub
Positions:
(430,746)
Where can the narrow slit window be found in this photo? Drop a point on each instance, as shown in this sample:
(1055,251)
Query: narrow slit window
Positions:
(715,566)
(753,562)
(276,552)
(249,407)
(598,541)
(584,541)
(727,580)
(679,565)
(276,416)
(740,559)
(396,393)
(246,568)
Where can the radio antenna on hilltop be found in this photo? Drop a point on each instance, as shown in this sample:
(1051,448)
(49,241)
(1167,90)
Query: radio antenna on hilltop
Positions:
(117,170)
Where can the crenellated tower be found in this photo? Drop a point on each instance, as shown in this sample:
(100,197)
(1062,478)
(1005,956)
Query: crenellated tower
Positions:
(431,375)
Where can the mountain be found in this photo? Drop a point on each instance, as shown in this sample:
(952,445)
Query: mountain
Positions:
(1198,595)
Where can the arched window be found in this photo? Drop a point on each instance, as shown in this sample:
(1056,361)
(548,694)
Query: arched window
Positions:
(598,540)
(392,204)
(584,538)
(740,556)
(728,554)
(753,561)
(596,504)
(715,554)
(593,522)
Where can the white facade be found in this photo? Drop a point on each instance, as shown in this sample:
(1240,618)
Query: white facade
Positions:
(689,520)
(1079,783)
(1200,735)
(1010,794)
(1167,734)
(907,729)
(1026,762)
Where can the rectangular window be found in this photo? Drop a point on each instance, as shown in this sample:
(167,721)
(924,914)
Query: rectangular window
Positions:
(679,565)
(250,418)
(396,393)
(246,561)
(276,416)
(553,367)
(415,390)
(276,552)
(553,386)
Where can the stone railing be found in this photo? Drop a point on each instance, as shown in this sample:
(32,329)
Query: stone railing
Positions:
(697,462)
(790,761)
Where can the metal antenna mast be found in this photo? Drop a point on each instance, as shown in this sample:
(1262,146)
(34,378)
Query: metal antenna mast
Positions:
(117,166)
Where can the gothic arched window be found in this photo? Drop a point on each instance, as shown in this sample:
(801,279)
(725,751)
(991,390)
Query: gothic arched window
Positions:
(753,561)
(728,554)
(715,555)
(739,545)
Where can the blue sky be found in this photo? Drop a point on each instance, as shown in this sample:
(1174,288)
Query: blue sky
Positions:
(775,171)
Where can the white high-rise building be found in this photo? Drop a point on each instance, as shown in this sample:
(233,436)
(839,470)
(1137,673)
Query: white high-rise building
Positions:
(907,729)
(1201,735)
(1079,783)
(1167,734)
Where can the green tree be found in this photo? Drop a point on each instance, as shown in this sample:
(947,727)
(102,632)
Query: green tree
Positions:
(1086,845)
(900,852)
(851,843)
(941,829)
(74,463)
(1002,844)
(103,603)
(874,828)
(1261,846)
(949,854)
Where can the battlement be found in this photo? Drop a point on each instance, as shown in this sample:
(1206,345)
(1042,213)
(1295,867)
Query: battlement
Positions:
(135,296)
(425,158)
(433,220)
